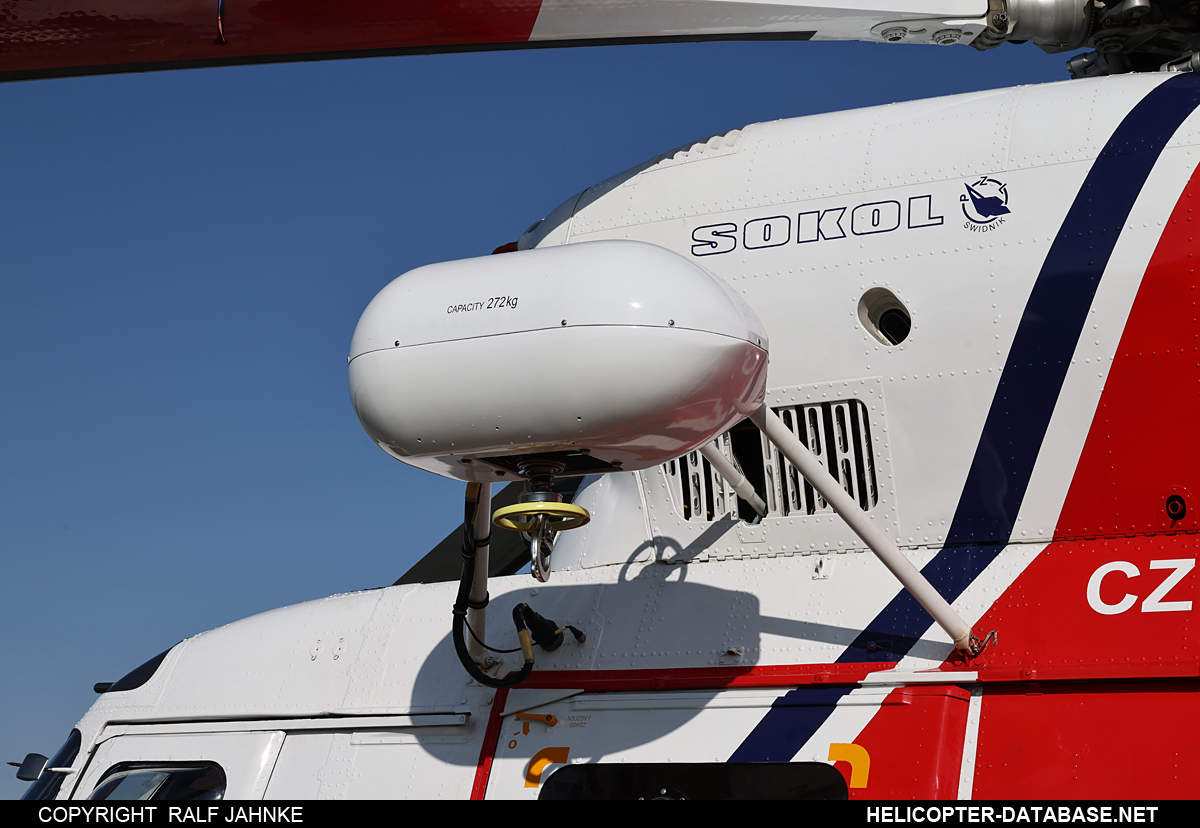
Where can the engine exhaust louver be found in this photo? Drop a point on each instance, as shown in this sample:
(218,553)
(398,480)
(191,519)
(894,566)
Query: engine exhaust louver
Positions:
(837,433)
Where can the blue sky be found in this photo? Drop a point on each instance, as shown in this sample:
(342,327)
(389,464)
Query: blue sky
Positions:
(185,256)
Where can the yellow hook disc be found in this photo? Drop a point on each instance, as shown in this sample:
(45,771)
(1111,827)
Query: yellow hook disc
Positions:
(568,516)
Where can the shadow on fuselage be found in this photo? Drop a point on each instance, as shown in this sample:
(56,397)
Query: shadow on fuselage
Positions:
(651,617)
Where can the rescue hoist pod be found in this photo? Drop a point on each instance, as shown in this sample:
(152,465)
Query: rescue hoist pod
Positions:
(608,356)
(518,366)
(581,359)
(584,359)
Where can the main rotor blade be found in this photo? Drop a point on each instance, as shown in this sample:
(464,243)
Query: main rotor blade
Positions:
(57,38)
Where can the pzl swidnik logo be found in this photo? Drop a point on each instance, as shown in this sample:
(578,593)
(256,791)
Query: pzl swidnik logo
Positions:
(985,205)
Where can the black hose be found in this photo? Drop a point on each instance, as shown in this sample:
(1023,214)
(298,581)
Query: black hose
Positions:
(532,628)
(463,602)
(460,646)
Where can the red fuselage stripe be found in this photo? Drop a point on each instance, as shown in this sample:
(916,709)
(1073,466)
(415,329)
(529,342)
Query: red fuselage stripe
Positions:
(483,768)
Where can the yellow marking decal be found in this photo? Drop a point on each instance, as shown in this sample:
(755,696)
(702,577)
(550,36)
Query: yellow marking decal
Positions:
(549,756)
(859,759)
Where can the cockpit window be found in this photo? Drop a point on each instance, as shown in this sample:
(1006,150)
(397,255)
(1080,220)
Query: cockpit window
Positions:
(47,785)
(175,781)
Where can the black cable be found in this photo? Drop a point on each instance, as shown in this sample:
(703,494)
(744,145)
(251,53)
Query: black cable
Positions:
(468,663)
(532,628)
(486,647)
(463,601)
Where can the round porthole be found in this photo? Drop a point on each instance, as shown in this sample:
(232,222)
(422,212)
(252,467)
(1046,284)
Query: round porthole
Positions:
(884,316)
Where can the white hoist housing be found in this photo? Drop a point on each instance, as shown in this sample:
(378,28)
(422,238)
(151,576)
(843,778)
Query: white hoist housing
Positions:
(600,356)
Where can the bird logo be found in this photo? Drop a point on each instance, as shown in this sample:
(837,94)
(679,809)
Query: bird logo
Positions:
(985,202)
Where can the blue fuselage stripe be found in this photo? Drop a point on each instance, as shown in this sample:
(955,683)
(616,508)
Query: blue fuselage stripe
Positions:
(791,721)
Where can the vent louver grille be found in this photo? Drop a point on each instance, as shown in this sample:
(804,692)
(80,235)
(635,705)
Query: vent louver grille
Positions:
(837,433)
